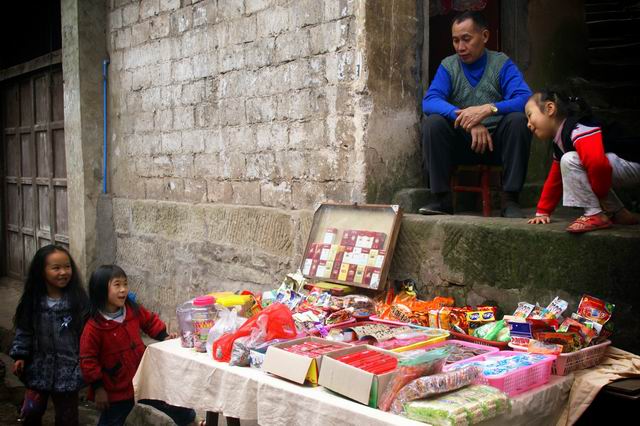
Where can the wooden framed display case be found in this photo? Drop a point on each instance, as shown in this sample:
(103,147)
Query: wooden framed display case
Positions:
(352,244)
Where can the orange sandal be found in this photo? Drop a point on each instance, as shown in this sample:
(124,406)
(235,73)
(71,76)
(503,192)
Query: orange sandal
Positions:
(589,223)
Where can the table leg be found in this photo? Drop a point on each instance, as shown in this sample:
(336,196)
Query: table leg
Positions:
(211,418)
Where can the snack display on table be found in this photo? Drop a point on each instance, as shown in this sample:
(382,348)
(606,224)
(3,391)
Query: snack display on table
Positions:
(467,406)
(511,372)
(370,361)
(427,386)
(312,348)
(412,365)
(546,331)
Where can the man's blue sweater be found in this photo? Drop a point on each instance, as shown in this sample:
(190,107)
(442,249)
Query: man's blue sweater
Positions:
(514,89)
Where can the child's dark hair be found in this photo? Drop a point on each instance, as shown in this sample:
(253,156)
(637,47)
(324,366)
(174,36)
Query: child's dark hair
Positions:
(477,17)
(99,287)
(566,105)
(35,290)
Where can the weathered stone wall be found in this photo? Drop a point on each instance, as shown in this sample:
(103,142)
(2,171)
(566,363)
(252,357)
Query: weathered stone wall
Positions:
(242,102)
(230,119)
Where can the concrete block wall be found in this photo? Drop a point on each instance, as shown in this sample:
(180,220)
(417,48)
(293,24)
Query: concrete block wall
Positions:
(231,119)
(235,102)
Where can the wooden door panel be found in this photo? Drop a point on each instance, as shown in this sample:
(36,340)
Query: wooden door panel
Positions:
(26,104)
(57,110)
(14,258)
(11,115)
(59,156)
(62,222)
(41,88)
(12,156)
(13,205)
(43,155)
(26,158)
(35,180)
(44,222)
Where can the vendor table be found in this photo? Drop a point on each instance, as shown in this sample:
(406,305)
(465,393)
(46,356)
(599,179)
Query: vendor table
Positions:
(185,378)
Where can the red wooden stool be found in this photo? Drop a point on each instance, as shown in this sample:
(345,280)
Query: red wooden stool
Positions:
(484,187)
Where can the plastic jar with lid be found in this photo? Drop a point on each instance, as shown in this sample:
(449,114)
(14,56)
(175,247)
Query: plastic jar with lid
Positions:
(187,335)
(203,316)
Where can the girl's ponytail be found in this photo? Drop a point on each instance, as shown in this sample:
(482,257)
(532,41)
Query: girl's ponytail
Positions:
(566,105)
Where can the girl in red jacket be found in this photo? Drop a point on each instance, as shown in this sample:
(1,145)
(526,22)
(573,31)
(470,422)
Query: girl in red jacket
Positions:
(111,347)
(586,165)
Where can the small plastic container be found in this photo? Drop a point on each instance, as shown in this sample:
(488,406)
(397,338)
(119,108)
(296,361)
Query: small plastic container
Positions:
(187,333)
(203,317)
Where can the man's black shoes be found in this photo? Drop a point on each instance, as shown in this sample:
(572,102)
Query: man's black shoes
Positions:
(441,205)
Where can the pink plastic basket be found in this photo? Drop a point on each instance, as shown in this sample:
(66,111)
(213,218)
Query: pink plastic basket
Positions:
(584,358)
(488,349)
(515,382)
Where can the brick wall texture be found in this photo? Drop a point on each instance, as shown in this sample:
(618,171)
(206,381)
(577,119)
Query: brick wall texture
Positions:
(230,119)
(234,101)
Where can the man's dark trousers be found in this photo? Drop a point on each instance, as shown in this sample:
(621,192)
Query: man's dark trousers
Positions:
(443,147)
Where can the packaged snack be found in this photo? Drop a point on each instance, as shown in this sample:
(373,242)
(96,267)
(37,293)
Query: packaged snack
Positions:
(538,347)
(466,406)
(586,333)
(477,319)
(520,333)
(523,310)
(536,312)
(570,342)
(424,387)
(489,331)
(458,319)
(439,318)
(555,308)
(339,316)
(413,364)
(595,309)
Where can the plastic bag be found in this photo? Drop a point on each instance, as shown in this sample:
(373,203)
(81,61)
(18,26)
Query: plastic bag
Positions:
(243,345)
(412,365)
(427,386)
(228,322)
(280,325)
(489,331)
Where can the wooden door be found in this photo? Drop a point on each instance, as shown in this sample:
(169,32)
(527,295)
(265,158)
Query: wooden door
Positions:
(35,173)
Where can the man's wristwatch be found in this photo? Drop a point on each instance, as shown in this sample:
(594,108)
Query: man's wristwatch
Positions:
(494,109)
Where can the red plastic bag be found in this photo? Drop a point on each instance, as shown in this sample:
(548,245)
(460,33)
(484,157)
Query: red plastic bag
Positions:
(280,325)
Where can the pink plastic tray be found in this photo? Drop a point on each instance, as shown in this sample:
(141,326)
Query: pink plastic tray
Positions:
(487,349)
(514,382)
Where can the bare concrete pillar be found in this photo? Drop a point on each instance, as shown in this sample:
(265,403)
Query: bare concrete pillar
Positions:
(83,50)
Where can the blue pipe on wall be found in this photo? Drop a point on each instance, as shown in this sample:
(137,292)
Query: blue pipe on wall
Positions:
(105,65)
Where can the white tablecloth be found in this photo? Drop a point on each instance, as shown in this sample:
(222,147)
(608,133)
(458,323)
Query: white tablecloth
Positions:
(182,377)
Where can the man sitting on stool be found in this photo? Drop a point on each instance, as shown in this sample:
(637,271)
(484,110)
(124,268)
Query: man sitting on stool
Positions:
(475,115)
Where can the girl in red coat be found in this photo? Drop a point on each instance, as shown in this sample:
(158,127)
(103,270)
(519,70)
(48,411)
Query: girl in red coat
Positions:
(588,163)
(111,347)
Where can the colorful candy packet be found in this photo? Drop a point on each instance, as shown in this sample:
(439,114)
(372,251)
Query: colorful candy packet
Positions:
(595,309)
